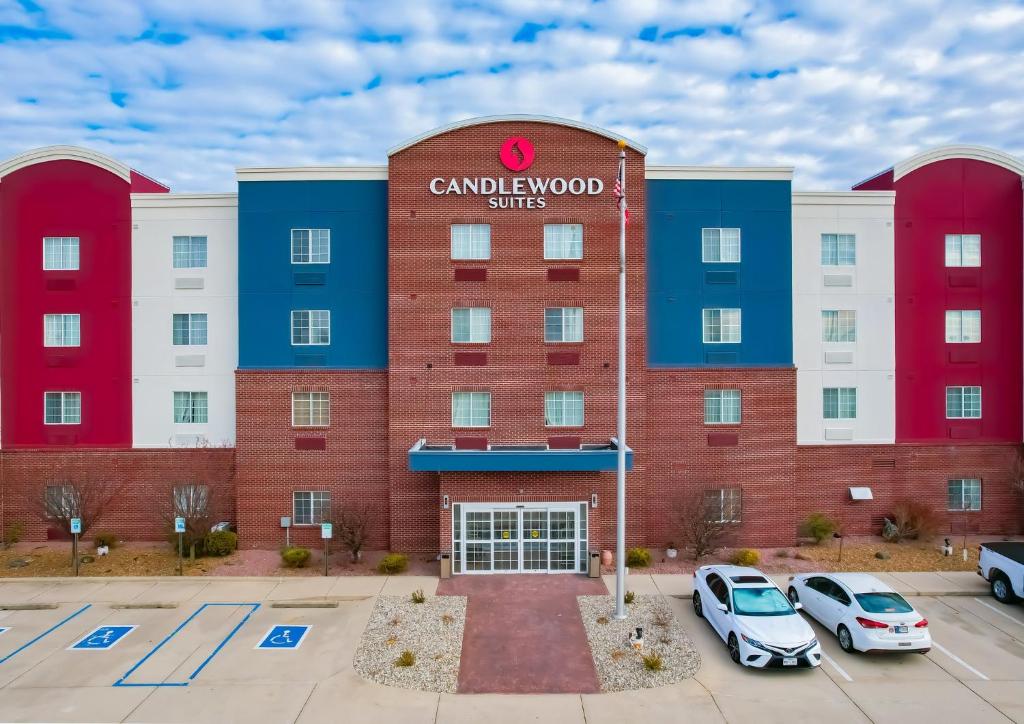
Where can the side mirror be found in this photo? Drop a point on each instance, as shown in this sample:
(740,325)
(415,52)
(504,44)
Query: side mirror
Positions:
(798,606)
(723,608)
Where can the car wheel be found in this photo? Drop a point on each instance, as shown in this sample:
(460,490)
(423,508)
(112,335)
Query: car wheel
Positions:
(845,640)
(1002,591)
(698,607)
(734,648)
(794,597)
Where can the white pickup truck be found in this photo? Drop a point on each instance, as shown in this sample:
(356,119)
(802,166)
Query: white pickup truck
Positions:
(1002,565)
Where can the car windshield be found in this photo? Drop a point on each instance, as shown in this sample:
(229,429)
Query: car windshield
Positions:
(883,603)
(767,601)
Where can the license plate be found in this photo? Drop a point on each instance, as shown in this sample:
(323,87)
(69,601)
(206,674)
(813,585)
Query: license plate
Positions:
(900,629)
(905,643)
(789,661)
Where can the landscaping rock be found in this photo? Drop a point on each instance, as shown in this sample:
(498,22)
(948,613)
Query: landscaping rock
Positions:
(86,559)
(882,555)
(18,562)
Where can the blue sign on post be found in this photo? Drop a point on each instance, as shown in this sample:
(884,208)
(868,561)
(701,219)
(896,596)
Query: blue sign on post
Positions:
(102,638)
(283,637)
(179,525)
(76,526)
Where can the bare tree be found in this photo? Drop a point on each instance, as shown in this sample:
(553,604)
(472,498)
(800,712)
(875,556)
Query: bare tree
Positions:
(353,524)
(700,526)
(193,502)
(69,493)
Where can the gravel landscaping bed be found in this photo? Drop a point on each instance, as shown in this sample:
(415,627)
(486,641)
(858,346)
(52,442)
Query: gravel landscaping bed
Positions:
(432,631)
(619,666)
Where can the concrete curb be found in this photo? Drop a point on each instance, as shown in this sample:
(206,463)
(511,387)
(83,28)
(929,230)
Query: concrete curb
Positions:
(209,579)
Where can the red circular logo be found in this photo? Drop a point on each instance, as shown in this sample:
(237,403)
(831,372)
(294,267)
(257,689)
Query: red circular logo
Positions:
(516,153)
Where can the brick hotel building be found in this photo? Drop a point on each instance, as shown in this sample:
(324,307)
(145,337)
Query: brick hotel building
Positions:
(435,340)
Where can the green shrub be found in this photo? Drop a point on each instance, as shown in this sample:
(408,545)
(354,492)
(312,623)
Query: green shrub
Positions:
(628,597)
(818,526)
(295,557)
(220,543)
(406,658)
(638,558)
(418,596)
(13,532)
(105,538)
(746,557)
(393,563)
(653,661)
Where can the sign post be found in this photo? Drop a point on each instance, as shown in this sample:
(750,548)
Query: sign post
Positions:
(326,532)
(620,417)
(179,528)
(76,529)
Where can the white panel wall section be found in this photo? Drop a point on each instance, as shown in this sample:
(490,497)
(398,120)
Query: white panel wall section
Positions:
(866,287)
(160,368)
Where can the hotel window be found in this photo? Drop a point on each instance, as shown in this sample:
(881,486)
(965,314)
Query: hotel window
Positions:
(311,507)
(471,241)
(964,494)
(563,241)
(838,249)
(189,252)
(311,327)
(563,324)
(471,324)
(60,253)
(311,246)
(189,329)
(563,409)
(838,325)
(311,409)
(839,403)
(721,407)
(724,505)
(963,403)
(721,325)
(963,249)
(62,330)
(963,325)
(62,408)
(721,245)
(471,409)
(191,408)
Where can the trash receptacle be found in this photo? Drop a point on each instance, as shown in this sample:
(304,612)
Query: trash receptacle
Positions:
(594,569)
(446,565)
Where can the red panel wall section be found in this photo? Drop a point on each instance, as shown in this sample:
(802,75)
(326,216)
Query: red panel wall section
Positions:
(879,182)
(65,198)
(143,184)
(958,196)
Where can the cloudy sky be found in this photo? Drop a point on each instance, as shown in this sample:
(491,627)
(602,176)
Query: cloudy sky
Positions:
(187,90)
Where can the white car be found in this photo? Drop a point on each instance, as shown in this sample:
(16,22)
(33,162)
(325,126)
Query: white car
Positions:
(864,613)
(755,619)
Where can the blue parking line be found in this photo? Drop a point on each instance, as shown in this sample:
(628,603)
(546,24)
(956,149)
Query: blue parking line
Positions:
(144,659)
(45,633)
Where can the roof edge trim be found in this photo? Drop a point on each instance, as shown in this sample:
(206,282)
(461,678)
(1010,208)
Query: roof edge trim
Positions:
(724,173)
(945,153)
(65,153)
(313,173)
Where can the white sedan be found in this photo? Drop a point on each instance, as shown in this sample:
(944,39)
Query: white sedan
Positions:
(755,619)
(864,613)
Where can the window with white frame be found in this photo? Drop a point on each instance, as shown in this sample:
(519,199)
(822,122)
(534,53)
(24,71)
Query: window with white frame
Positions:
(839,403)
(964,494)
(311,327)
(963,249)
(189,329)
(471,324)
(60,253)
(563,409)
(721,325)
(838,325)
(189,252)
(62,330)
(724,505)
(311,507)
(471,409)
(963,325)
(563,241)
(191,408)
(838,249)
(311,246)
(720,245)
(62,408)
(471,241)
(963,403)
(311,409)
(721,407)
(563,324)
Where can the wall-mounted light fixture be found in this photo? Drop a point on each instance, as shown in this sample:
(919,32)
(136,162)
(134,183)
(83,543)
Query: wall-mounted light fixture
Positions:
(446,502)
(593,500)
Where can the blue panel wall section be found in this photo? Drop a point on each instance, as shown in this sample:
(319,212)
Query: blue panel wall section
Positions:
(679,285)
(353,286)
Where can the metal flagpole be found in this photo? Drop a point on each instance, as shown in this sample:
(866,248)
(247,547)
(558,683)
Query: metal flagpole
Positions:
(620,478)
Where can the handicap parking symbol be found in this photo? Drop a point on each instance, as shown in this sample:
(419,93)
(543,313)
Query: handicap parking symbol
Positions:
(102,638)
(280,638)
(4,629)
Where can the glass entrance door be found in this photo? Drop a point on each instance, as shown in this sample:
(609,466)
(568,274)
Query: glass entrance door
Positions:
(490,538)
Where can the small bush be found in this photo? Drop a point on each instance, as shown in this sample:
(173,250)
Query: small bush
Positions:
(418,596)
(406,658)
(220,543)
(782,553)
(393,563)
(629,597)
(638,558)
(746,557)
(105,538)
(653,661)
(911,519)
(13,533)
(662,618)
(602,620)
(295,557)
(818,526)
(447,619)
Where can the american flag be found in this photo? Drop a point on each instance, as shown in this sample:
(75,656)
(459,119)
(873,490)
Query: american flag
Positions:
(620,182)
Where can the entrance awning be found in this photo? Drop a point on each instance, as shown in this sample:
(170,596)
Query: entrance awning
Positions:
(427,457)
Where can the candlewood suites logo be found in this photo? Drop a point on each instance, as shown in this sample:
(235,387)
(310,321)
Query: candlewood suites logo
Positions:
(516,153)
